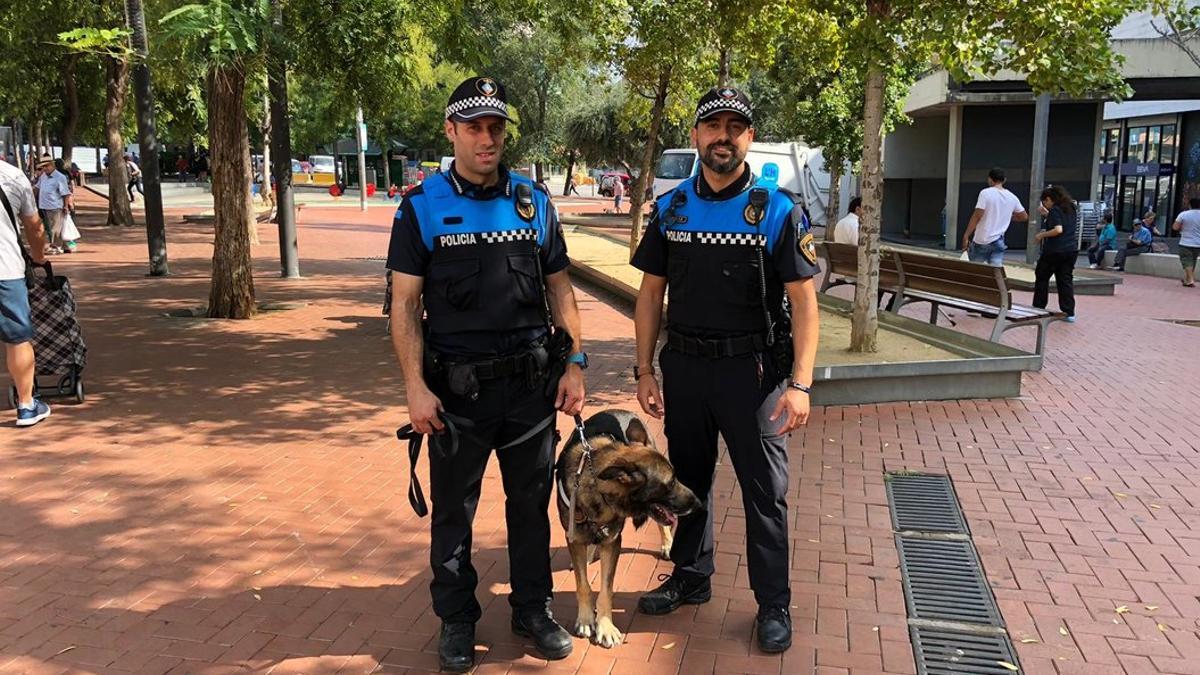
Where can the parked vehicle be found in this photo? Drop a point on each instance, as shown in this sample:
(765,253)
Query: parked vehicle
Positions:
(607,180)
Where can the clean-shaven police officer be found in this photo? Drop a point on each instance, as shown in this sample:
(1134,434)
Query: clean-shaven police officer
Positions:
(731,251)
(479,252)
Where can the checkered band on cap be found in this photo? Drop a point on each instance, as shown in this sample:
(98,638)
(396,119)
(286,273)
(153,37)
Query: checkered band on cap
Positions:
(717,105)
(487,105)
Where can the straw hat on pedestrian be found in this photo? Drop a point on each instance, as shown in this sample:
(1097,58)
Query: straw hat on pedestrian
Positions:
(46,159)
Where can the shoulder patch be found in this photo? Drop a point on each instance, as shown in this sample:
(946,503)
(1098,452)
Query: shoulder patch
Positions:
(807,247)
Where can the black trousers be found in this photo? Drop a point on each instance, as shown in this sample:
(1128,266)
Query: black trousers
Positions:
(506,409)
(706,397)
(1062,267)
(135,183)
(1130,249)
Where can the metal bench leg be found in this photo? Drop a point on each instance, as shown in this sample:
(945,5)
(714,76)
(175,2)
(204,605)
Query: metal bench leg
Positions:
(933,313)
(999,327)
(1041,336)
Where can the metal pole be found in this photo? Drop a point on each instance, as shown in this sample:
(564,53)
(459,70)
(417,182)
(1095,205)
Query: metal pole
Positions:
(281,152)
(1037,174)
(156,230)
(360,141)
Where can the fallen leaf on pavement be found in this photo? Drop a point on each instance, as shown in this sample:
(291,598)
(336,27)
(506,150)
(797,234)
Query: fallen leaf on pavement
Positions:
(1062,630)
(1122,609)
(1006,664)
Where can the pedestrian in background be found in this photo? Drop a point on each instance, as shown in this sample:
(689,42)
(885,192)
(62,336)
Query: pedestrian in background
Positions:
(135,177)
(54,200)
(1106,240)
(618,193)
(1188,227)
(1139,241)
(1059,250)
(995,210)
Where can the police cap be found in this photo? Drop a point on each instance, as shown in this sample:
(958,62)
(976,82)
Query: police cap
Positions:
(724,99)
(477,97)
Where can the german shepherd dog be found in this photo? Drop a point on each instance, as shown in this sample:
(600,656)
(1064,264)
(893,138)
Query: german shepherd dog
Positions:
(626,477)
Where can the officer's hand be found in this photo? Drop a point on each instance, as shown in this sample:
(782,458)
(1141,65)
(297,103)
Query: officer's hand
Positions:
(423,408)
(650,397)
(570,395)
(795,402)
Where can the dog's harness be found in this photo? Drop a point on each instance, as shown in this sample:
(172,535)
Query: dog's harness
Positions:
(584,460)
(455,428)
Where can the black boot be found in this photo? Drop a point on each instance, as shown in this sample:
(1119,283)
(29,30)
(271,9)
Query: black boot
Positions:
(774,629)
(456,647)
(674,592)
(551,639)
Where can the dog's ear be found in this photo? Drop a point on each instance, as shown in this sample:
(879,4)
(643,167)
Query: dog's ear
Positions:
(636,432)
(624,474)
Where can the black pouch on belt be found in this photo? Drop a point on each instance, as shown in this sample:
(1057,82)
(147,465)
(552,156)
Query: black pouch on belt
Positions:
(462,380)
(558,348)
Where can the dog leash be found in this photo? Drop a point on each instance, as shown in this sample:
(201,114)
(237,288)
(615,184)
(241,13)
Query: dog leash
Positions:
(585,459)
(455,428)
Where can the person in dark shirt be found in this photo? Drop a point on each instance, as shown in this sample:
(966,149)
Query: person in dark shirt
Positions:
(481,305)
(1060,248)
(729,250)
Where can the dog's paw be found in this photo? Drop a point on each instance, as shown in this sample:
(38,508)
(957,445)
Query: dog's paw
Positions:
(665,552)
(585,625)
(607,635)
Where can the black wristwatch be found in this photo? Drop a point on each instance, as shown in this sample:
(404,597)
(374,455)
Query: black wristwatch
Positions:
(638,372)
(799,387)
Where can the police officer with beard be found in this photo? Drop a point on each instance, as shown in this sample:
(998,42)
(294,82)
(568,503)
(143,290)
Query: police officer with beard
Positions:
(479,254)
(738,259)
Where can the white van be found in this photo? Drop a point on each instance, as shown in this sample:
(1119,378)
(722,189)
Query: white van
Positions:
(801,170)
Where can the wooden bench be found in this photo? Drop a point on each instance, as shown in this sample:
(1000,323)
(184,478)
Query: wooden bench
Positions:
(944,282)
(842,260)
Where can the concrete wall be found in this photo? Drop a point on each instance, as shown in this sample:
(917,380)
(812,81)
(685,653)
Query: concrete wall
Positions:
(914,185)
(1003,136)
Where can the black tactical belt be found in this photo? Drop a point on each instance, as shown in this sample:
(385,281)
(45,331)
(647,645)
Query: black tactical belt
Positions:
(505,366)
(716,348)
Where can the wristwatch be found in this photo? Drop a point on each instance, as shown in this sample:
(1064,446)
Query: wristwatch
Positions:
(638,372)
(580,359)
(799,387)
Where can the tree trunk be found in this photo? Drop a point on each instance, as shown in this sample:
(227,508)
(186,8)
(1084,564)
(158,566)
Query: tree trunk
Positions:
(119,212)
(281,139)
(232,292)
(35,145)
(18,143)
(539,171)
(865,321)
(646,171)
(723,66)
(70,103)
(835,196)
(147,132)
(570,172)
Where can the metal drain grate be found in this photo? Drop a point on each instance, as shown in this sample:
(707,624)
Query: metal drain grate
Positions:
(924,503)
(944,581)
(939,652)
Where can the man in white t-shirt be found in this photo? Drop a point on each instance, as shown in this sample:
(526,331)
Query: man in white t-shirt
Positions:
(846,230)
(995,210)
(16,324)
(1188,227)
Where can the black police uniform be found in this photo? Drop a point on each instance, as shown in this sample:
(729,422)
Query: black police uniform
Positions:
(483,262)
(718,372)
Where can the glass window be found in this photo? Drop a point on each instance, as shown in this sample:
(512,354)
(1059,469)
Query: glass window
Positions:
(1163,205)
(1129,203)
(1153,143)
(1114,147)
(1168,144)
(674,165)
(1135,147)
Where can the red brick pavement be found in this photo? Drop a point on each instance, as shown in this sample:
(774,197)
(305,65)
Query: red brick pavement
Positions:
(231,499)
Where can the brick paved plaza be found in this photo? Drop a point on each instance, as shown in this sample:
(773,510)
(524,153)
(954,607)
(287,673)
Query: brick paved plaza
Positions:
(232,499)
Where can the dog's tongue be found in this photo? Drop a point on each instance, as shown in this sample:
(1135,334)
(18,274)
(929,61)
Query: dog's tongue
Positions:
(665,515)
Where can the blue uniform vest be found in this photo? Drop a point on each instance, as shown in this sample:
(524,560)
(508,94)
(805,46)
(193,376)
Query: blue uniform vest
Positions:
(713,262)
(484,274)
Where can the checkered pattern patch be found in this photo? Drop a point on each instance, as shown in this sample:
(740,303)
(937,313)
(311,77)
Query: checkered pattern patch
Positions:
(512,235)
(724,104)
(477,102)
(57,339)
(731,239)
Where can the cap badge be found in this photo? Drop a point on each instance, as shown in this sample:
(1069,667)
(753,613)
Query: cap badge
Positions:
(727,93)
(486,86)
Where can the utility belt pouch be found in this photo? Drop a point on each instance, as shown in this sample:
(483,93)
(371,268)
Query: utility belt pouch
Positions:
(462,380)
(558,348)
(781,350)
